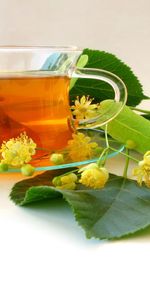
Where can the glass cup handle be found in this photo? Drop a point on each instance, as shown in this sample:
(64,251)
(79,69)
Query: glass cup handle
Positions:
(119,90)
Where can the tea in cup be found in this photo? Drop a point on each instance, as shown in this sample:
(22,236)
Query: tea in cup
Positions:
(34,95)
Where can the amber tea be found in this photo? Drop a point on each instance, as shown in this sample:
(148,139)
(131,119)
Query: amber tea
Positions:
(38,106)
(34,96)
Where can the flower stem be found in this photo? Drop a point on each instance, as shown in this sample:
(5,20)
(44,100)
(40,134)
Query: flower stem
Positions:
(106,137)
(99,161)
(125,154)
(126,164)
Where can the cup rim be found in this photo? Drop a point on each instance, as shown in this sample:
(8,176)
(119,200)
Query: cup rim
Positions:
(40,48)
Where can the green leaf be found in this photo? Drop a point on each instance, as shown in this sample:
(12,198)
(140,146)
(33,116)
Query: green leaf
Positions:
(119,209)
(100,90)
(21,195)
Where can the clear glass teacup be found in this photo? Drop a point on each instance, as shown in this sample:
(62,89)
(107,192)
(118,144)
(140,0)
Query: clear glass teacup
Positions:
(34,95)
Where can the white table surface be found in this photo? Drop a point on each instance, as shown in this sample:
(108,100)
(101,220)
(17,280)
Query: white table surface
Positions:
(44,254)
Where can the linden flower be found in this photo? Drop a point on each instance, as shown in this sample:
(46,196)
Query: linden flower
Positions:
(17,151)
(142,172)
(83,108)
(81,147)
(94,176)
(65,182)
(57,158)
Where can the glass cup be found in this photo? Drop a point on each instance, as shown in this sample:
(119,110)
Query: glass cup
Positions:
(34,95)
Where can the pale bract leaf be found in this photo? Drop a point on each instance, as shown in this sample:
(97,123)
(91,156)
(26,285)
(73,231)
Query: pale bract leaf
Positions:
(128,125)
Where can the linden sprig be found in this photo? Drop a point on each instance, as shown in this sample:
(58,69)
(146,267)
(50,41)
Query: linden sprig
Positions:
(96,175)
(18,152)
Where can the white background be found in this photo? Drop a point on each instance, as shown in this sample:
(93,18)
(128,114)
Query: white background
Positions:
(117,26)
(43,253)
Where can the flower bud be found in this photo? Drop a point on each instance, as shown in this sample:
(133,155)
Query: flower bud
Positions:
(27,170)
(67,186)
(130,144)
(69,178)
(65,182)
(56,181)
(57,158)
(3,167)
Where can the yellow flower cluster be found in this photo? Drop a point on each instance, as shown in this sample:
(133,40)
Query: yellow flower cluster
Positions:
(83,109)
(80,147)
(142,172)
(94,176)
(17,151)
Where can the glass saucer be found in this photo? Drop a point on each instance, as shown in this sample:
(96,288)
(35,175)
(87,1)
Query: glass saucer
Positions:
(96,135)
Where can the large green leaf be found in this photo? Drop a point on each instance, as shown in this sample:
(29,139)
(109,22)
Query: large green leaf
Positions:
(121,208)
(101,90)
